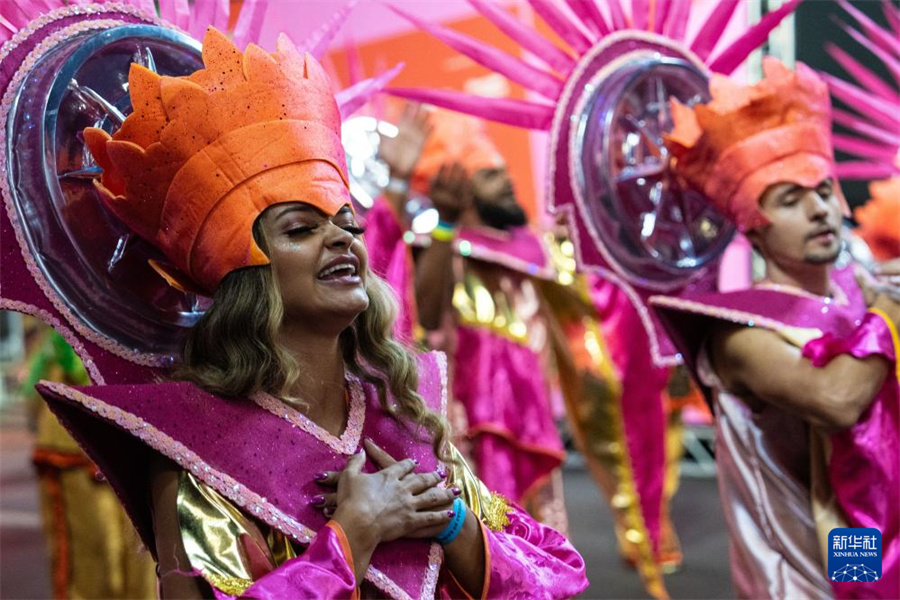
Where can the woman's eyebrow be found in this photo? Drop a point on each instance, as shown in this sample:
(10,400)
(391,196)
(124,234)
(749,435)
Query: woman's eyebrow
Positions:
(294,208)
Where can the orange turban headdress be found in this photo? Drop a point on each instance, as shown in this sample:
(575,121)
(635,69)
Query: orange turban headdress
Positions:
(202,156)
(748,138)
(454,138)
(879,219)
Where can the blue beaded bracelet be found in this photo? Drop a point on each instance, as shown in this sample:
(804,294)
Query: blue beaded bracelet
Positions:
(455,525)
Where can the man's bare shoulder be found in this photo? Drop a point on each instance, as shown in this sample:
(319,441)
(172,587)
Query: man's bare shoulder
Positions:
(738,352)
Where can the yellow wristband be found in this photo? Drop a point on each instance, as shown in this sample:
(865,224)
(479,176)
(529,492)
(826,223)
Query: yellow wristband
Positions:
(443,233)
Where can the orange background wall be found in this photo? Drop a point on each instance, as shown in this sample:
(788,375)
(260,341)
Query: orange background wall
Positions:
(430,63)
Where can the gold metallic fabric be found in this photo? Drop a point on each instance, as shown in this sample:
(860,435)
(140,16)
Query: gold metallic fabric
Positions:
(500,300)
(593,395)
(211,528)
(490,508)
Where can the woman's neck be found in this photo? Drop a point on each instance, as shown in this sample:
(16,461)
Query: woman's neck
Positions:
(320,391)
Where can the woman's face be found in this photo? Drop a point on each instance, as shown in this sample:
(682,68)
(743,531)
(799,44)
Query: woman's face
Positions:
(320,263)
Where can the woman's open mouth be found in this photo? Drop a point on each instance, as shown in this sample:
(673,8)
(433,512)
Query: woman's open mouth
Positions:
(342,270)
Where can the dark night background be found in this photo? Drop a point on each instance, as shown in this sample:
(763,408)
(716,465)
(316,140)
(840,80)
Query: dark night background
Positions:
(816,25)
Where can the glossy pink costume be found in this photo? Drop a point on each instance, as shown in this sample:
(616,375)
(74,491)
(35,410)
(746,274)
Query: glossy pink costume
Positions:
(863,468)
(499,381)
(260,456)
(233,446)
(598,42)
(643,409)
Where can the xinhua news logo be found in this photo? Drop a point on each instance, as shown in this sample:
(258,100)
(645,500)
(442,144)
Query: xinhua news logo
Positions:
(854,555)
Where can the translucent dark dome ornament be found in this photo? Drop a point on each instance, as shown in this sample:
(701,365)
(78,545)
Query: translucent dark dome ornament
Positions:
(603,98)
(65,258)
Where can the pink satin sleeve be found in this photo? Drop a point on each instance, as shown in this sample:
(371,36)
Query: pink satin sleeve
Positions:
(530,560)
(324,570)
(873,336)
(390,258)
(864,469)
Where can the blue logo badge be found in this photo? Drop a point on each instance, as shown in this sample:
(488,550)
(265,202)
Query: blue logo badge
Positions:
(854,555)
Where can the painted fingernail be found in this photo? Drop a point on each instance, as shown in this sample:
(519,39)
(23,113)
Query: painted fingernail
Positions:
(451,513)
(321,476)
(442,473)
(416,461)
(456,491)
(317,500)
(328,512)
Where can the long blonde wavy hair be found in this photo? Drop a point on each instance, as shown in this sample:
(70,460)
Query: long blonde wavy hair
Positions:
(233,351)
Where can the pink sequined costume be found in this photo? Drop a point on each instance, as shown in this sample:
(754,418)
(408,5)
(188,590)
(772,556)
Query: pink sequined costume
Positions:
(225,480)
(497,362)
(598,40)
(243,495)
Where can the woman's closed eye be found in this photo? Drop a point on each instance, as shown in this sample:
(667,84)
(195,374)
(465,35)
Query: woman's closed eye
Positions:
(304,229)
(300,230)
(354,229)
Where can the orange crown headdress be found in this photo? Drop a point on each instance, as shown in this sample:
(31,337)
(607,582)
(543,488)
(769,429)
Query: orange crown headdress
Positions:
(202,156)
(750,137)
(879,219)
(454,138)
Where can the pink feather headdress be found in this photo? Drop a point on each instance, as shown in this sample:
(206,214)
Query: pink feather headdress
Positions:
(193,18)
(598,37)
(581,24)
(35,29)
(874,116)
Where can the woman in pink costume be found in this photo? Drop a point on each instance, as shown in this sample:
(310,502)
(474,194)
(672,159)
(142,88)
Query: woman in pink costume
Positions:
(268,470)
